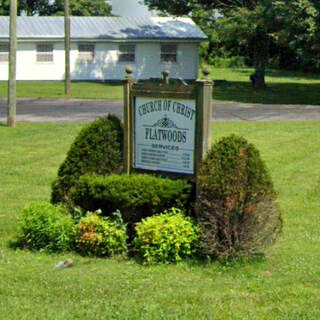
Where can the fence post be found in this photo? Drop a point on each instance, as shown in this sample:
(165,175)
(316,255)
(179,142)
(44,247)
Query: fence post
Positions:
(203,121)
(12,85)
(127,121)
(203,118)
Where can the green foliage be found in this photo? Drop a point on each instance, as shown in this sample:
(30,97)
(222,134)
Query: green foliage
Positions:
(97,149)
(49,8)
(45,226)
(4,7)
(298,37)
(100,236)
(136,196)
(82,8)
(236,206)
(167,237)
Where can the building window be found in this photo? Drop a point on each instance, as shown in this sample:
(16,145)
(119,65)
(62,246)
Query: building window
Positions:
(168,53)
(44,53)
(86,52)
(4,52)
(127,52)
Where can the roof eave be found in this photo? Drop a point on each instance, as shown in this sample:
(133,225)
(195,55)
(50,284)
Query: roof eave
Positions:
(102,39)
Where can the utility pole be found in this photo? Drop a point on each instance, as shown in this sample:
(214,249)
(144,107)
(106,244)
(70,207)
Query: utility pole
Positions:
(12,85)
(67,48)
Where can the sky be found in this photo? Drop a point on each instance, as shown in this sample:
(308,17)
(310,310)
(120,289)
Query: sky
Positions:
(130,8)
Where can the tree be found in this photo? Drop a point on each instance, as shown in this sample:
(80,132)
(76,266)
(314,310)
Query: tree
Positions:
(254,28)
(50,8)
(83,8)
(32,7)
(251,20)
(298,37)
(4,7)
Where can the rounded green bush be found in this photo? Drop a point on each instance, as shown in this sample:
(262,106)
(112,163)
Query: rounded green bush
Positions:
(236,206)
(166,237)
(137,196)
(100,236)
(97,149)
(45,226)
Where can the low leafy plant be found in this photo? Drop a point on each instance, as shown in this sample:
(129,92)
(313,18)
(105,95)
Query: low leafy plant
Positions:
(166,237)
(45,226)
(97,149)
(100,236)
(136,196)
(236,206)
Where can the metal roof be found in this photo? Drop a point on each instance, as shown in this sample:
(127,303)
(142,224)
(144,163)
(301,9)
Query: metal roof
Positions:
(112,28)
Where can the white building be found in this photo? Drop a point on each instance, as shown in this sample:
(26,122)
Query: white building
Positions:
(101,47)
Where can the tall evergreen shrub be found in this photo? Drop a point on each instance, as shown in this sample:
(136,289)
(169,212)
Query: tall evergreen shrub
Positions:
(236,207)
(97,149)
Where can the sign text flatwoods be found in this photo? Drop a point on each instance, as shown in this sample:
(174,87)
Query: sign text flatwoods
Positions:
(164,134)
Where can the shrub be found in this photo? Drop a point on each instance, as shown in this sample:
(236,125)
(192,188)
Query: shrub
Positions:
(136,196)
(236,206)
(167,237)
(45,226)
(100,236)
(98,148)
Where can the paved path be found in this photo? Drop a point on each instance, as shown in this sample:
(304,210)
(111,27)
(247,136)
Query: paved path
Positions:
(56,110)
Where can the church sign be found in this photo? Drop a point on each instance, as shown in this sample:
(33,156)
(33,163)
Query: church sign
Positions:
(164,135)
(165,123)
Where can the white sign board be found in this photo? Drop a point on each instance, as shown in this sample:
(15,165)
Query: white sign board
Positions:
(164,134)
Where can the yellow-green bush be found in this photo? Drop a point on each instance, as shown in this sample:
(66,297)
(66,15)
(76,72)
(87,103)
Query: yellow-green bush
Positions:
(45,226)
(166,237)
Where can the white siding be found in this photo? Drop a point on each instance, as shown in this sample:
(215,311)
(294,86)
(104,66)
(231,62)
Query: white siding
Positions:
(105,65)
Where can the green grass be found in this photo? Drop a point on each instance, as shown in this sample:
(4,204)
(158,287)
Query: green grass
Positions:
(55,89)
(283,285)
(283,87)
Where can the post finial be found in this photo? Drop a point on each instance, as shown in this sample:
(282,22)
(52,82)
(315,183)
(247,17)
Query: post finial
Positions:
(129,71)
(165,75)
(206,72)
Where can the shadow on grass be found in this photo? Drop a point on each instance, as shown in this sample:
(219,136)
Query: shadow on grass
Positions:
(228,264)
(222,265)
(218,265)
(274,93)
(293,75)
(274,73)
(17,245)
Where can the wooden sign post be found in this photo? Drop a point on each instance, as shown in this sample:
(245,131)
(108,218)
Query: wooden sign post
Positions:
(166,125)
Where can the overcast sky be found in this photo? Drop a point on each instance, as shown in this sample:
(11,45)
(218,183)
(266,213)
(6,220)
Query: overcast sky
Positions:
(129,8)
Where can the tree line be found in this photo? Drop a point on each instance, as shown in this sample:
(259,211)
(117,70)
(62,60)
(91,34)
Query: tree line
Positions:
(56,8)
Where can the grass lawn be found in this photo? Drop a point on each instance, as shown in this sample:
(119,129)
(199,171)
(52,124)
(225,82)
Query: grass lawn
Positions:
(285,284)
(55,89)
(283,87)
